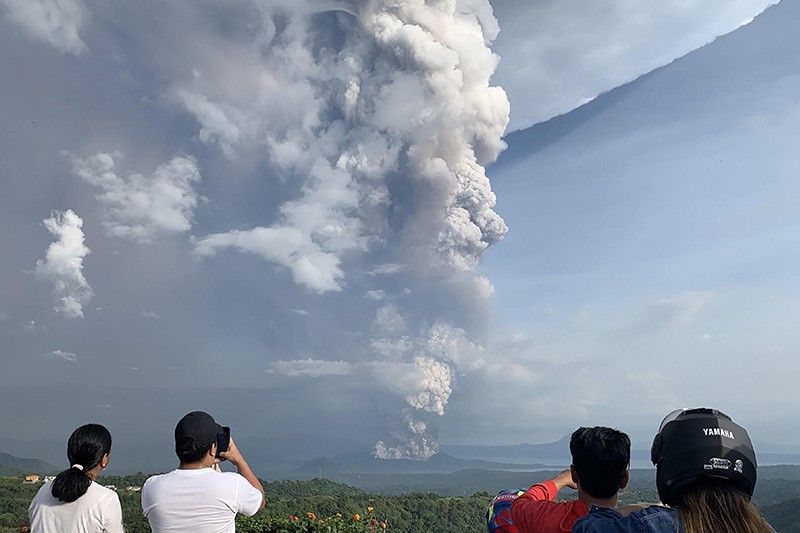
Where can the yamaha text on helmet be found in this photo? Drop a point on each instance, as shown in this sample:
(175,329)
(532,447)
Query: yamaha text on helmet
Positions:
(699,443)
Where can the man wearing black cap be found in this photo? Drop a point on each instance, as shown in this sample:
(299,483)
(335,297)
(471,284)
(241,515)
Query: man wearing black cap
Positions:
(195,497)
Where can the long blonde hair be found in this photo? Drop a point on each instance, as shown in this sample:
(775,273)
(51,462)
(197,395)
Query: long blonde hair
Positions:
(716,506)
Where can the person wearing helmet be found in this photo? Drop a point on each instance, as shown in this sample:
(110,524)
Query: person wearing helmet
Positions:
(705,474)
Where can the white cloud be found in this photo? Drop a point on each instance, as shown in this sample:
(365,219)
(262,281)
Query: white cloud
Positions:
(386,269)
(66,356)
(312,368)
(55,22)
(151,314)
(286,246)
(388,320)
(559,55)
(375,294)
(141,207)
(216,126)
(63,263)
(301,312)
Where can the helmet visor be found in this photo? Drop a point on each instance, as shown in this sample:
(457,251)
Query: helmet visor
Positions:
(671,417)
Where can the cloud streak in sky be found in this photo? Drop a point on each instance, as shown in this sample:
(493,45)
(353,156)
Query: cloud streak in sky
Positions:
(312,368)
(674,311)
(66,356)
(55,22)
(63,263)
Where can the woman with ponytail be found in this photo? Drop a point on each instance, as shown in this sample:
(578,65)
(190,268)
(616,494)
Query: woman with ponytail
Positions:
(74,501)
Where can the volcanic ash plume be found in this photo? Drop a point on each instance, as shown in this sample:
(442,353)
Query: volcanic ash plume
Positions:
(396,111)
(425,383)
(385,122)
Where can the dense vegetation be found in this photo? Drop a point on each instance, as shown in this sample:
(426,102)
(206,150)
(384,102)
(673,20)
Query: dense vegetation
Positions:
(319,505)
(315,506)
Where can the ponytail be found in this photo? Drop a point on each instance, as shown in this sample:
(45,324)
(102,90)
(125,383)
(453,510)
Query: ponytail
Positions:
(86,448)
(70,485)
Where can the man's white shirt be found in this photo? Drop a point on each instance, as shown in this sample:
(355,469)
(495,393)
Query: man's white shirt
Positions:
(198,501)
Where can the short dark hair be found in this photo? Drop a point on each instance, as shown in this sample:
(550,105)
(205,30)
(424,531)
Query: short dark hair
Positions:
(601,457)
(192,455)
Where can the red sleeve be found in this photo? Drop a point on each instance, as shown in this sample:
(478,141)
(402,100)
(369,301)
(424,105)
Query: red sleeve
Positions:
(546,490)
(526,512)
(537,512)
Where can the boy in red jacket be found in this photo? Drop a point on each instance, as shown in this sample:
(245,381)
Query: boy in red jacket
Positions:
(600,460)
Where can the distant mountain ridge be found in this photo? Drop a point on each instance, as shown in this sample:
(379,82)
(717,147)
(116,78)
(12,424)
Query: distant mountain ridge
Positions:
(524,452)
(558,451)
(11,465)
(441,463)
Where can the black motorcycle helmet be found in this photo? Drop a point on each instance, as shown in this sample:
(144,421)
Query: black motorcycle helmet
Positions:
(697,443)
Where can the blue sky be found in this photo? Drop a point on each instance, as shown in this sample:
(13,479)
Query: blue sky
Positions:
(257,217)
(654,237)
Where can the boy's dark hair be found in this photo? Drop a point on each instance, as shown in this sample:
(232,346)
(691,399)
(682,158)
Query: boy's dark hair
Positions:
(601,457)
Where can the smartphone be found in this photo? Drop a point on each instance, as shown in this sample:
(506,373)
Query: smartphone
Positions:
(223,440)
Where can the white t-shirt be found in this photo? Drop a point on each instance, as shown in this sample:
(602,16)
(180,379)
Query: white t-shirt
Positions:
(97,511)
(198,501)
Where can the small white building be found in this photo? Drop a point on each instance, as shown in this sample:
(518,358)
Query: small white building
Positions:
(48,479)
(133,488)
(112,487)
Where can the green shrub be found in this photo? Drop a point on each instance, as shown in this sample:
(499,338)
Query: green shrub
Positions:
(310,523)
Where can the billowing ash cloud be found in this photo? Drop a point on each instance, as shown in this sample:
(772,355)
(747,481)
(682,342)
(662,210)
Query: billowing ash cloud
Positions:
(402,102)
(415,441)
(56,22)
(141,207)
(426,381)
(63,263)
(382,116)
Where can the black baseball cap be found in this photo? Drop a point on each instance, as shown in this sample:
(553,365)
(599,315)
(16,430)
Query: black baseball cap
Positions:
(195,431)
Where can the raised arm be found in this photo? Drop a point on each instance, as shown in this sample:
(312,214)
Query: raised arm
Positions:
(527,511)
(237,460)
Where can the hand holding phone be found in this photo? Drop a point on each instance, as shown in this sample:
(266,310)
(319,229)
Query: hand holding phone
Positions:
(223,440)
(233,454)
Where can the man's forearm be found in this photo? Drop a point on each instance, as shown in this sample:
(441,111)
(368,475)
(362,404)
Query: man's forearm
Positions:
(559,482)
(246,472)
(564,479)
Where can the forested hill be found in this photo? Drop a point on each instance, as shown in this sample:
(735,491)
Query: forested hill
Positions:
(11,466)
